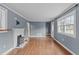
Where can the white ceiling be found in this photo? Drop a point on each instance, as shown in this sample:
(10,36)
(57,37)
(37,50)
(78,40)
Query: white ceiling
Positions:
(39,11)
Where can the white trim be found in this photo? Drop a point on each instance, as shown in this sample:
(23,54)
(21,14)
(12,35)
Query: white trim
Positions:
(5,53)
(16,32)
(14,11)
(64,46)
(3,18)
(52,30)
(6,21)
(28,25)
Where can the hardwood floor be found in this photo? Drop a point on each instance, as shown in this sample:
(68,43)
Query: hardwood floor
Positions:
(40,46)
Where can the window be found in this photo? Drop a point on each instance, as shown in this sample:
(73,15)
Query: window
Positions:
(3,18)
(66,24)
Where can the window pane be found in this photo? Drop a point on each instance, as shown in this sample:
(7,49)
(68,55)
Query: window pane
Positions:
(0,17)
(72,19)
(66,25)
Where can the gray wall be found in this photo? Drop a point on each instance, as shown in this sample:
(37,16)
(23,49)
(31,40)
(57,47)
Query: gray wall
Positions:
(6,38)
(48,28)
(69,42)
(12,20)
(6,41)
(38,29)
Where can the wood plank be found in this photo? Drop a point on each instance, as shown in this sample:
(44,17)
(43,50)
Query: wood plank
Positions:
(40,46)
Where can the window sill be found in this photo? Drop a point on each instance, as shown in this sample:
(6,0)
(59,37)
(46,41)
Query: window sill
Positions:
(4,30)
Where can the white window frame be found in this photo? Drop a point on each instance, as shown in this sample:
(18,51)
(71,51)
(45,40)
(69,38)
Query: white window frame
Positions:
(3,18)
(71,13)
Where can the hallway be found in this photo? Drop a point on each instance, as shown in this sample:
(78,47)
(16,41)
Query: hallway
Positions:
(40,46)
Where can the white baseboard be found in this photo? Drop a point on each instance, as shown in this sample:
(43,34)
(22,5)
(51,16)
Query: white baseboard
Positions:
(5,53)
(64,46)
